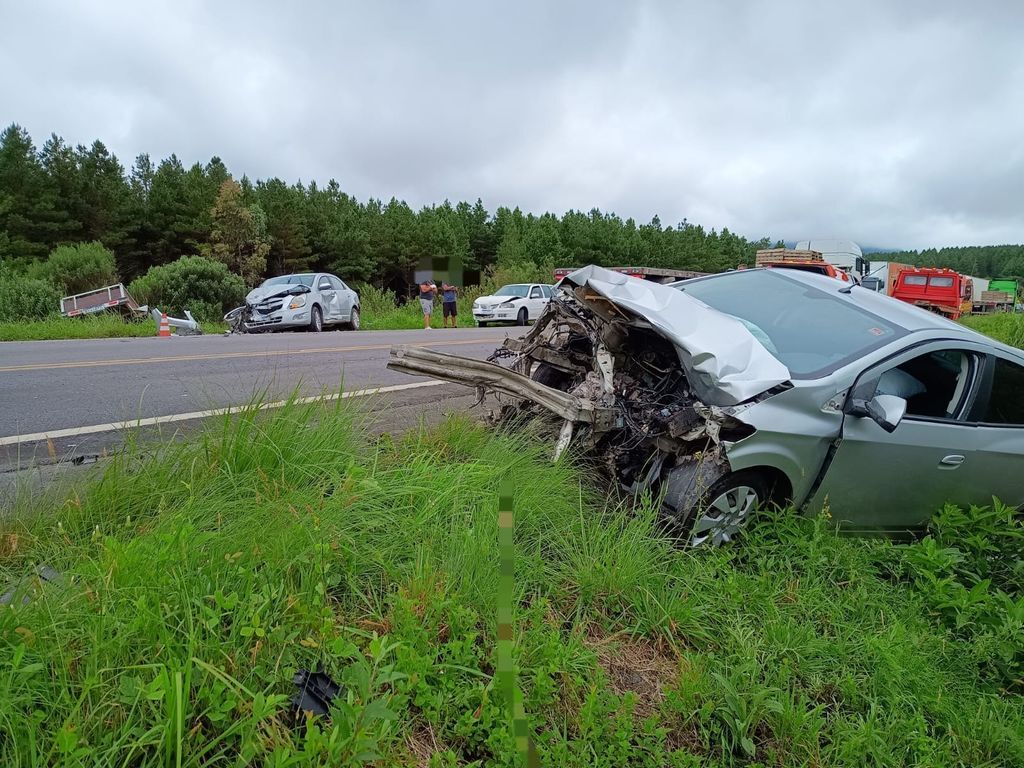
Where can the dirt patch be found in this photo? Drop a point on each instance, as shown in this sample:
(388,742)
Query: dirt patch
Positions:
(639,666)
(422,745)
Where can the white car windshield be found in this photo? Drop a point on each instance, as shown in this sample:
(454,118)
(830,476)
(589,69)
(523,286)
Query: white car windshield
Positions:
(520,291)
(811,331)
(306,280)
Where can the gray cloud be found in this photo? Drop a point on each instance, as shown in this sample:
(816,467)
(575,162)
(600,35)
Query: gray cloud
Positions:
(894,124)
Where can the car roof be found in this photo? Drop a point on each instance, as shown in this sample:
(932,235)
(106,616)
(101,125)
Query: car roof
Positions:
(907,316)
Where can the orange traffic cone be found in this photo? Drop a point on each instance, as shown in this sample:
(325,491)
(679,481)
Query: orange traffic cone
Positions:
(165,327)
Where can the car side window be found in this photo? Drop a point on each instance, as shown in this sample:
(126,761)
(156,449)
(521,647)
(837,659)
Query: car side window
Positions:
(1006,401)
(338,284)
(325,284)
(935,384)
(535,292)
(546,291)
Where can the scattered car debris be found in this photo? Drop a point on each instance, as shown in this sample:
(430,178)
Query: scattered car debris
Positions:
(726,392)
(188,326)
(40,575)
(316,692)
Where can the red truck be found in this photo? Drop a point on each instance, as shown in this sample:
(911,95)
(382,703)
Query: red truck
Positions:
(940,290)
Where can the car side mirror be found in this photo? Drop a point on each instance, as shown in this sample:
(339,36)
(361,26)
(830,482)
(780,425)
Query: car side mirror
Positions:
(887,411)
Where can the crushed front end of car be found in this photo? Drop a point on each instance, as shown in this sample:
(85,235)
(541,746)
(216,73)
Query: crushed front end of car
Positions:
(278,306)
(646,379)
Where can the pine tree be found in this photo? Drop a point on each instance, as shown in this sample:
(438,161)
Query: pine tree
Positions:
(239,235)
(27,212)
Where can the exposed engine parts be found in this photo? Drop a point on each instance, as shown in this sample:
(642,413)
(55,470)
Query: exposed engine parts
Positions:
(603,380)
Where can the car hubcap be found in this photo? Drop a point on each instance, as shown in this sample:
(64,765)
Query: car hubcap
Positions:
(355,319)
(724,516)
(316,321)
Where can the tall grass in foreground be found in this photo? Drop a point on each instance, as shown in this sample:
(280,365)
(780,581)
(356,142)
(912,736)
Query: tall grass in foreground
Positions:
(1007,327)
(200,578)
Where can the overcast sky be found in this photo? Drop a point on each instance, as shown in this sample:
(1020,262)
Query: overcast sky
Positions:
(892,124)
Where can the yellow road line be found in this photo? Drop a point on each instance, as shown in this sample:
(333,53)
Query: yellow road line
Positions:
(223,355)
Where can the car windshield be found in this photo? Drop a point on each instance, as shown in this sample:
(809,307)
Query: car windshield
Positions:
(306,280)
(513,290)
(811,331)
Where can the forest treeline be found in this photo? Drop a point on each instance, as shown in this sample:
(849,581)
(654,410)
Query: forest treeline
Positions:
(155,212)
(991,261)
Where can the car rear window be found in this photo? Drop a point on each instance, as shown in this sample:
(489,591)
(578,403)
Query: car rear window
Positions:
(941,282)
(811,331)
(915,280)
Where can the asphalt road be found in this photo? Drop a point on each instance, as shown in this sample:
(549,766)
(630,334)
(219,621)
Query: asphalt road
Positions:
(54,386)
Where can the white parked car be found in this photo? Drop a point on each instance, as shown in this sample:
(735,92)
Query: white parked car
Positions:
(517,304)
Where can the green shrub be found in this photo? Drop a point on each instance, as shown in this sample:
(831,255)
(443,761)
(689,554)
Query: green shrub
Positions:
(26,298)
(79,268)
(970,572)
(203,286)
(516,272)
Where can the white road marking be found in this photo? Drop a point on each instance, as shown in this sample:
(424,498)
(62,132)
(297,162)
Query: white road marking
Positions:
(120,425)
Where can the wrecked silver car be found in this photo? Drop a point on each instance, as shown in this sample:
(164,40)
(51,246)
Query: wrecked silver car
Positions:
(728,392)
(304,301)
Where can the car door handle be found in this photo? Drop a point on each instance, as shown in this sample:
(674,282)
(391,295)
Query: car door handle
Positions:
(952,461)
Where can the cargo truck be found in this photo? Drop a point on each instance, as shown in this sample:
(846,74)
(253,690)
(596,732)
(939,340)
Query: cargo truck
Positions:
(881,276)
(942,291)
(1001,296)
(804,260)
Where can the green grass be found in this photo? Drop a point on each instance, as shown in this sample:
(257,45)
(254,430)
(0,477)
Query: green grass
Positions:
(380,313)
(102,326)
(199,578)
(1006,327)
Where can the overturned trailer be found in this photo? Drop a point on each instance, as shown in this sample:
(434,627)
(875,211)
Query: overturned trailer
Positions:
(641,375)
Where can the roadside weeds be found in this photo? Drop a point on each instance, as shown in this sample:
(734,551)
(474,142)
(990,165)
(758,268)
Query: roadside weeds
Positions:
(198,578)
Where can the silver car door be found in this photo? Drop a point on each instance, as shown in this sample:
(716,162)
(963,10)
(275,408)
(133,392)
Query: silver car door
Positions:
(1000,415)
(344,299)
(329,299)
(881,480)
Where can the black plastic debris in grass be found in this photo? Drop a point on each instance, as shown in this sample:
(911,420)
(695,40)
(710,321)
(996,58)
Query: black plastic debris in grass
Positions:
(316,692)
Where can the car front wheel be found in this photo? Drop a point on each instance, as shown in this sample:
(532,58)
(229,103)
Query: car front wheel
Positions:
(316,320)
(522,317)
(717,515)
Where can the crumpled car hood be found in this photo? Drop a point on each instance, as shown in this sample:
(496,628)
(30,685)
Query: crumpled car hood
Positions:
(725,364)
(257,295)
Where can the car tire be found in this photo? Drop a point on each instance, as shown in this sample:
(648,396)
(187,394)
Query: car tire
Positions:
(353,323)
(523,317)
(701,514)
(316,320)
(481,323)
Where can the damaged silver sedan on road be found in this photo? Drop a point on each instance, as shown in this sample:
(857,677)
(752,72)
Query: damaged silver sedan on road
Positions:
(729,392)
